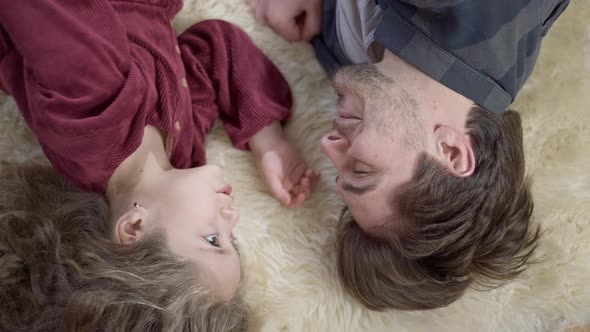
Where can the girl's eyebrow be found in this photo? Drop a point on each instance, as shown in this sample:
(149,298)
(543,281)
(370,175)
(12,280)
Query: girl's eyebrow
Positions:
(226,251)
(236,247)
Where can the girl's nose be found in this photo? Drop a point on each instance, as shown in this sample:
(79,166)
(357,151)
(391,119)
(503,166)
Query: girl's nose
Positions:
(231,216)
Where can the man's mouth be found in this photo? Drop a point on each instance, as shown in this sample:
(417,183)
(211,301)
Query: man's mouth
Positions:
(347,115)
(346,125)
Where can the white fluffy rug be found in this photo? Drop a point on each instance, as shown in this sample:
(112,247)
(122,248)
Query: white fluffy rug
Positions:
(288,255)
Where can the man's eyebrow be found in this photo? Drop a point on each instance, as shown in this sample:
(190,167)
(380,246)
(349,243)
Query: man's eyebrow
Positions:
(347,186)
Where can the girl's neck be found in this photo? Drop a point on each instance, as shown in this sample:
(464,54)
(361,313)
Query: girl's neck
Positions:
(134,177)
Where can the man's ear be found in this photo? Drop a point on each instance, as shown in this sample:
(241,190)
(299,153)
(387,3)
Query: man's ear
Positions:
(131,226)
(454,151)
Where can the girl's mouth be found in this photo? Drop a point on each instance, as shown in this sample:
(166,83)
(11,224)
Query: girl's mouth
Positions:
(225,189)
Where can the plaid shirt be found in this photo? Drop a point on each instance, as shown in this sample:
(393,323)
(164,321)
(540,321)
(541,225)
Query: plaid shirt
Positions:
(482,49)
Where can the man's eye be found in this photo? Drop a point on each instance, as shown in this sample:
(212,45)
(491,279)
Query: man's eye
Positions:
(213,240)
(360,169)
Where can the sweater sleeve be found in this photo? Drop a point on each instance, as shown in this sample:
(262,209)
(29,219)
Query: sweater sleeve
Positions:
(70,72)
(74,48)
(225,68)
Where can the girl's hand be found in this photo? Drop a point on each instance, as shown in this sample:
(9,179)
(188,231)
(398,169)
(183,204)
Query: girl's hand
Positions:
(281,167)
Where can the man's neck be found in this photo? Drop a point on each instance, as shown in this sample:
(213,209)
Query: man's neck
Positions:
(134,177)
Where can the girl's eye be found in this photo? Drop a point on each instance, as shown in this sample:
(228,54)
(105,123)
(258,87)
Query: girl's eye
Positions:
(213,240)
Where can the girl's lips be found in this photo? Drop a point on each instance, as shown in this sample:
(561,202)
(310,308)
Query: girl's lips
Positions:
(225,189)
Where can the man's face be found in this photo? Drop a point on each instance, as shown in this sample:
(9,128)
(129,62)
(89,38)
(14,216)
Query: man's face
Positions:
(376,140)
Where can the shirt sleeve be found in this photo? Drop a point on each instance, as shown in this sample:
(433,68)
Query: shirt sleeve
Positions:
(226,71)
(71,74)
(433,3)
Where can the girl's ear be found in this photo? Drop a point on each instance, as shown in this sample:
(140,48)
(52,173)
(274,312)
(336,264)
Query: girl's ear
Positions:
(131,226)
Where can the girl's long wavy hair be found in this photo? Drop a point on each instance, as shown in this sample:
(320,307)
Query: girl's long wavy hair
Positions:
(60,270)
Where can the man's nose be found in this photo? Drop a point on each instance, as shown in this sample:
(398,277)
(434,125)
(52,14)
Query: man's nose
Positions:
(334,145)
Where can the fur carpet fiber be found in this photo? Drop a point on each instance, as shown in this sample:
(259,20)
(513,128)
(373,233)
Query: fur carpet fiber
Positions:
(288,256)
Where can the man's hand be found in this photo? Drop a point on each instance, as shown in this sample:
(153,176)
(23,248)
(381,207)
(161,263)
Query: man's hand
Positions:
(295,20)
(284,172)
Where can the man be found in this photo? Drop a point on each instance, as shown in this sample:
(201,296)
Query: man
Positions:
(430,164)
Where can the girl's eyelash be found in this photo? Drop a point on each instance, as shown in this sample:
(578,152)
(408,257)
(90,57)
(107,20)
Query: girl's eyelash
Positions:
(214,242)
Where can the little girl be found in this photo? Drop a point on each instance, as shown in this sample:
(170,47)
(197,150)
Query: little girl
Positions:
(121,106)
(61,270)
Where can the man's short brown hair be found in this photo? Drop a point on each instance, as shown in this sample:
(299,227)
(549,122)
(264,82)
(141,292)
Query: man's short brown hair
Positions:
(457,231)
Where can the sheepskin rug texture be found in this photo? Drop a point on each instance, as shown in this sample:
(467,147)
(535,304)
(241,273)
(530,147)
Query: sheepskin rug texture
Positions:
(288,256)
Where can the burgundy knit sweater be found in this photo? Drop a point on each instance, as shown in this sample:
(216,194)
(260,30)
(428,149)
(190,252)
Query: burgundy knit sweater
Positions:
(89,75)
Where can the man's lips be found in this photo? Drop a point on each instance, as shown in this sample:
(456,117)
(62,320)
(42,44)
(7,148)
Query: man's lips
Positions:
(345,125)
(347,115)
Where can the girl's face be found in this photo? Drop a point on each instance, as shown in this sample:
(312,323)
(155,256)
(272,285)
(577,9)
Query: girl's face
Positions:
(194,210)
